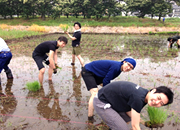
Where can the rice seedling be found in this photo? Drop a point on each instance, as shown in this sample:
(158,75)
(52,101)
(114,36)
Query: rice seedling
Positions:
(33,86)
(64,27)
(157,117)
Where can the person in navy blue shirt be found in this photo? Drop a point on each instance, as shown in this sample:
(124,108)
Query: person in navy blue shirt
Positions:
(102,72)
(5,58)
(120,102)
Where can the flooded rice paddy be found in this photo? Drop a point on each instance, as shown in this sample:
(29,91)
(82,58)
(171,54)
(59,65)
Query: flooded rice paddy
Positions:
(63,103)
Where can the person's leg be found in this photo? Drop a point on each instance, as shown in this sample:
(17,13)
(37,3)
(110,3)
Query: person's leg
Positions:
(7,70)
(50,72)
(90,107)
(41,76)
(91,85)
(73,59)
(109,116)
(81,60)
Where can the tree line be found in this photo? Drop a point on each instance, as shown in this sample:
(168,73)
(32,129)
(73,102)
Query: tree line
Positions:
(86,8)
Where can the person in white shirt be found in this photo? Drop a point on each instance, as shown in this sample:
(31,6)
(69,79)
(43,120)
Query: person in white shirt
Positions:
(5,58)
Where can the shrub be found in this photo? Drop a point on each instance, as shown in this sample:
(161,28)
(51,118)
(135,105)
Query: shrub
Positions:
(33,86)
(37,28)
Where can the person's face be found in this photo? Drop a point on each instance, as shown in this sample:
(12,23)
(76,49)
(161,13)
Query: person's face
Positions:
(157,99)
(76,26)
(62,44)
(126,66)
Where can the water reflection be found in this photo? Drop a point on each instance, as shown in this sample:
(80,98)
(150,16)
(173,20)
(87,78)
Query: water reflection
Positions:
(51,112)
(76,87)
(8,102)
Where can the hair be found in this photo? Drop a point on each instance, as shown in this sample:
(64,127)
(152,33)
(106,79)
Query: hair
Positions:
(169,38)
(167,91)
(63,38)
(77,24)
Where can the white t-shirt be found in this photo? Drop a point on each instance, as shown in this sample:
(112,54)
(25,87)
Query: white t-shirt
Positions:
(3,45)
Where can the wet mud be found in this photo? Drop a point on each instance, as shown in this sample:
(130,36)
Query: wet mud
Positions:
(63,103)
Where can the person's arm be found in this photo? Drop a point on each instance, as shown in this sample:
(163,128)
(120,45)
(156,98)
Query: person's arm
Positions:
(72,38)
(55,57)
(51,59)
(135,120)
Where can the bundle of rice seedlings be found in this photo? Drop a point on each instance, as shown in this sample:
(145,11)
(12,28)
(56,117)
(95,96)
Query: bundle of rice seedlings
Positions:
(64,27)
(33,86)
(157,116)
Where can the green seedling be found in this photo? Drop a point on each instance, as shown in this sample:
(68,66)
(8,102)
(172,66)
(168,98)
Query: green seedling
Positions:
(33,86)
(157,116)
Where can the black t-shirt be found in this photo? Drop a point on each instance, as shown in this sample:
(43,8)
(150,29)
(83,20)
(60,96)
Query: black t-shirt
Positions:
(175,38)
(45,47)
(123,96)
(76,42)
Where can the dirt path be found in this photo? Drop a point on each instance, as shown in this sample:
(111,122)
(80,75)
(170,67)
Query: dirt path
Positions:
(105,29)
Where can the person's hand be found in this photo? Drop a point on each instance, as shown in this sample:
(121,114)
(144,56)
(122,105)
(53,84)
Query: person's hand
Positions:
(57,66)
(55,71)
(66,32)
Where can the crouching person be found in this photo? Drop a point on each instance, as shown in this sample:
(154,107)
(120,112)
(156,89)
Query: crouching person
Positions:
(120,102)
(5,58)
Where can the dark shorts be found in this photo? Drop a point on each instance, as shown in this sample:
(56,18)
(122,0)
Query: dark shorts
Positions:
(90,79)
(76,50)
(39,59)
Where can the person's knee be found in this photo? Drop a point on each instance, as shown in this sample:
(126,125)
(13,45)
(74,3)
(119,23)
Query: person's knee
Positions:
(94,91)
(42,71)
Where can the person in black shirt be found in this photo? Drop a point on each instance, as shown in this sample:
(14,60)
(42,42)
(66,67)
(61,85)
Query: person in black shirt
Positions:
(172,40)
(122,101)
(39,55)
(76,38)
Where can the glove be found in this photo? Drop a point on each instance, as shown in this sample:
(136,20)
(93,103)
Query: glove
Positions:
(55,71)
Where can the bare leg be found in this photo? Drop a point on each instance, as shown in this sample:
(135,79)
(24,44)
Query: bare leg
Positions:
(41,75)
(81,60)
(73,58)
(50,71)
(90,107)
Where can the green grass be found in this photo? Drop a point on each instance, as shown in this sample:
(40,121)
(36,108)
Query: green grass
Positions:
(124,21)
(157,115)
(11,34)
(33,86)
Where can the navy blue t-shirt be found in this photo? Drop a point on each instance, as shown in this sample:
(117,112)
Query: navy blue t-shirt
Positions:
(123,95)
(45,47)
(76,42)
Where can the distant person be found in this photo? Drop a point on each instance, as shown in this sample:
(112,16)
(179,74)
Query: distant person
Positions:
(163,19)
(39,55)
(102,72)
(121,102)
(76,38)
(5,58)
(172,40)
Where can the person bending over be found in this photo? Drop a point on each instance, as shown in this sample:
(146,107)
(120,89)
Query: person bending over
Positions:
(102,72)
(120,102)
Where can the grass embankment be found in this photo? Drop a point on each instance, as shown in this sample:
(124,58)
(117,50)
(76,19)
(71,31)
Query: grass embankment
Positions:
(113,21)
(125,21)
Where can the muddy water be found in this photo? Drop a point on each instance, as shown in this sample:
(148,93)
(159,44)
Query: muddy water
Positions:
(62,104)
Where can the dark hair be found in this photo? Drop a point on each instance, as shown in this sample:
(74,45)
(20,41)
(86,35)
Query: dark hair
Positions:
(63,38)
(169,38)
(167,91)
(77,24)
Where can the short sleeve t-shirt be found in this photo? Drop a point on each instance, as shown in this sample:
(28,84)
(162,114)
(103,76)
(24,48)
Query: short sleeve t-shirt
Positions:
(76,42)
(123,95)
(3,45)
(175,38)
(45,47)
